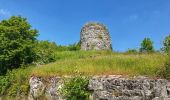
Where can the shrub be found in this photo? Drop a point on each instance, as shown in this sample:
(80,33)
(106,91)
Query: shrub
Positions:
(15,83)
(4,84)
(131,51)
(19,79)
(165,70)
(16,43)
(45,52)
(147,46)
(76,89)
(166,44)
(74,47)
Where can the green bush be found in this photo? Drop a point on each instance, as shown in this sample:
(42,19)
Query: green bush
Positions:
(16,43)
(165,70)
(15,83)
(76,89)
(166,44)
(45,52)
(132,51)
(4,84)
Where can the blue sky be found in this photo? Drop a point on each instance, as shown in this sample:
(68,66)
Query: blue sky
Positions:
(129,21)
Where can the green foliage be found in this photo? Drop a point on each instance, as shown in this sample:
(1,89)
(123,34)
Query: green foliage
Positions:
(165,70)
(147,46)
(4,84)
(76,88)
(16,43)
(45,52)
(72,47)
(15,82)
(132,51)
(166,44)
(19,79)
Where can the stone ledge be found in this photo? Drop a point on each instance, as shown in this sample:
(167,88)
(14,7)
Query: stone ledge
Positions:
(110,87)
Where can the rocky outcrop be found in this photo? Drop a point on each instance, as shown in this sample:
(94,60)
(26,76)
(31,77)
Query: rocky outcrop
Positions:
(136,88)
(45,90)
(95,36)
(113,87)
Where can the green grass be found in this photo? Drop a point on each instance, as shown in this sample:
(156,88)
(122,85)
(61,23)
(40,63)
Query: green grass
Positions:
(101,63)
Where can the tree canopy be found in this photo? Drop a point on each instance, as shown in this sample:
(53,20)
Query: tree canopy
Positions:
(16,42)
(147,46)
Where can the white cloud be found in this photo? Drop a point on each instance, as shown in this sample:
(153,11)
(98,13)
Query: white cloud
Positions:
(4,13)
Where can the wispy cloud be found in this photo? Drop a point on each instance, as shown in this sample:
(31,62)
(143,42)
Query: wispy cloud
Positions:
(5,13)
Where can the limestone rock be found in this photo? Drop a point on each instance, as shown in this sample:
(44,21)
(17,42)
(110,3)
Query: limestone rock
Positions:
(41,90)
(125,88)
(108,87)
(95,36)
(37,88)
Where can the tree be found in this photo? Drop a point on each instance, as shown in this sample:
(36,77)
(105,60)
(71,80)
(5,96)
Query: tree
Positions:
(166,44)
(147,46)
(16,43)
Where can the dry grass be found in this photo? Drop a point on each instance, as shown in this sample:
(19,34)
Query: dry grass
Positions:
(101,63)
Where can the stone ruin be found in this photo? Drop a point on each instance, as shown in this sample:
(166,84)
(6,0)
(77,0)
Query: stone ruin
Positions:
(106,87)
(95,36)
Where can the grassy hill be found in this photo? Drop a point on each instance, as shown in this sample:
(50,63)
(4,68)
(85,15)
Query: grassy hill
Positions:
(84,62)
(101,63)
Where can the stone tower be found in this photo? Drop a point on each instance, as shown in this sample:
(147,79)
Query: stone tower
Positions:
(95,36)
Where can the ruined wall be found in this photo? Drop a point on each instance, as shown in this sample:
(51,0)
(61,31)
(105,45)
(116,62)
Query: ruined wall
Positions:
(95,36)
(113,87)
(122,88)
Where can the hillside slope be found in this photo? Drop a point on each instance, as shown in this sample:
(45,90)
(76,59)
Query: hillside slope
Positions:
(101,63)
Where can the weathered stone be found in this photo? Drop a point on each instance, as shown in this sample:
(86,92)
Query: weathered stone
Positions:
(95,85)
(50,90)
(53,89)
(37,88)
(106,88)
(135,88)
(95,36)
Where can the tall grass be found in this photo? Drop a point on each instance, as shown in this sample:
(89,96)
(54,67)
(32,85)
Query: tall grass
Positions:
(101,63)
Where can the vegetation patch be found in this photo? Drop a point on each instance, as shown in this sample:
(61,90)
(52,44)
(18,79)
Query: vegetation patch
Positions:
(76,88)
(15,83)
(102,63)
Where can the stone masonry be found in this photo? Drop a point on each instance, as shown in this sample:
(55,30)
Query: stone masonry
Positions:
(111,87)
(95,36)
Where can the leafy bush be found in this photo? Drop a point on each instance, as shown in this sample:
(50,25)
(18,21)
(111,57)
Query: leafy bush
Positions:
(15,83)
(4,84)
(16,43)
(45,52)
(76,89)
